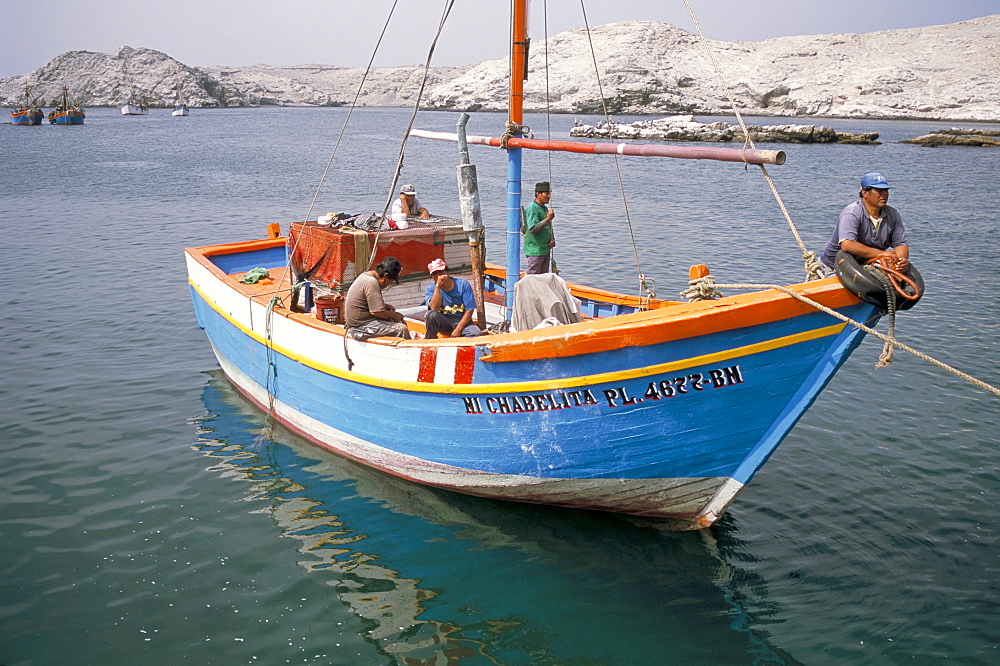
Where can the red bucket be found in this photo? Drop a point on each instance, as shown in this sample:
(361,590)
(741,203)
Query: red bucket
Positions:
(330,309)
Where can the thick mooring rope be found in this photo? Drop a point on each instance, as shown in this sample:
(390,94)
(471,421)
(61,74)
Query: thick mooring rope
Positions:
(814,271)
(706,288)
(647,286)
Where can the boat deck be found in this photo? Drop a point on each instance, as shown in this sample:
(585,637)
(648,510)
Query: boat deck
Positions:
(408,298)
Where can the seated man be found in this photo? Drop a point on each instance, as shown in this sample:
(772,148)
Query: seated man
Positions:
(408,204)
(869,228)
(366,314)
(451,304)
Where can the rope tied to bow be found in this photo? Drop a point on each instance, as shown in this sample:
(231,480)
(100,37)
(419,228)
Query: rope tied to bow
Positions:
(891,341)
(702,289)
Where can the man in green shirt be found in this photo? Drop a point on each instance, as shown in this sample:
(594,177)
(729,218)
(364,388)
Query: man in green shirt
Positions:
(538,240)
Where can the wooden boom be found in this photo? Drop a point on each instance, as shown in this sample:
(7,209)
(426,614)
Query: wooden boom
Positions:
(743,155)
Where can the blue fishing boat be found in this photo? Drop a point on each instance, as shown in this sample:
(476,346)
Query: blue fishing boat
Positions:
(67,113)
(27,114)
(628,404)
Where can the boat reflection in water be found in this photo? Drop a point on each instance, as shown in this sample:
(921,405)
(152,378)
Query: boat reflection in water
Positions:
(441,577)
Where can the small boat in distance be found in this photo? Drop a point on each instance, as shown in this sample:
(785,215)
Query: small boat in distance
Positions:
(134,108)
(180,106)
(180,103)
(29,114)
(67,113)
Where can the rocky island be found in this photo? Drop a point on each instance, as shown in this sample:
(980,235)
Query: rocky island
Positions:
(686,128)
(958,136)
(937,72)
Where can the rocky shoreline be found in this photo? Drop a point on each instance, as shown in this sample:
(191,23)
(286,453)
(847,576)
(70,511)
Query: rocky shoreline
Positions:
(958,136)
(687,128)
(945,72)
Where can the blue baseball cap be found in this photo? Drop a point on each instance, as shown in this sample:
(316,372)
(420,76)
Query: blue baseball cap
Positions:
(875,180)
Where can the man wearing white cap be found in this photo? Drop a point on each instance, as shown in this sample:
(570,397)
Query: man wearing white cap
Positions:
(450,303)
(408,204)
(869,228)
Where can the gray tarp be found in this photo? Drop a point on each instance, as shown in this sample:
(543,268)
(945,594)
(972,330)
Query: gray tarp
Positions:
(543,299)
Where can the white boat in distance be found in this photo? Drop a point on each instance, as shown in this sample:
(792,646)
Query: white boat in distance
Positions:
(132,109)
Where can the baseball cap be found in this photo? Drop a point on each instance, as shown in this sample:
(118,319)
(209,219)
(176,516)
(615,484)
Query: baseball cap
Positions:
(409,189)
(875,180)
(542,187)
(436,265)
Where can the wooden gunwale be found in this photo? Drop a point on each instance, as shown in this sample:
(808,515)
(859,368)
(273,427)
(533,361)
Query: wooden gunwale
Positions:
(668,320)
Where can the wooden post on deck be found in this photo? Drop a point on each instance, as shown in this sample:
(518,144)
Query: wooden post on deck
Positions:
(472,219)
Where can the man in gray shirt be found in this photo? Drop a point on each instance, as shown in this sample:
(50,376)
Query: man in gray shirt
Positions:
(367,314)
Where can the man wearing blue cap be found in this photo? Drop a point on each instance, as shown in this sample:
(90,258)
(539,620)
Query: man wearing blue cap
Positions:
(869,228)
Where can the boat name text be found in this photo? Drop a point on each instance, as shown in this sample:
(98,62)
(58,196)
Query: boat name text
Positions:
(615,397)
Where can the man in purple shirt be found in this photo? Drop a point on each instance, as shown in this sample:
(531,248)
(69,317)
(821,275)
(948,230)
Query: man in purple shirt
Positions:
(869,228)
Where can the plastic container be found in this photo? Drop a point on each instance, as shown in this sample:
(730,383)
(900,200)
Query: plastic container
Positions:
(330,309)
(398,221)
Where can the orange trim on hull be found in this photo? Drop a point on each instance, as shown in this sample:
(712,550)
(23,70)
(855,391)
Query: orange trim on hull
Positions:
(666,324)
(668,320)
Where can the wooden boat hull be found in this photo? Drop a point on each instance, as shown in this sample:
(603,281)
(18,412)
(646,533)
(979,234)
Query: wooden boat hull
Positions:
(664,413)
(26,117)
(67,118)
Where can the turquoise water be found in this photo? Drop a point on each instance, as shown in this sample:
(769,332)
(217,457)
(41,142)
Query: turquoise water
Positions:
(147,515)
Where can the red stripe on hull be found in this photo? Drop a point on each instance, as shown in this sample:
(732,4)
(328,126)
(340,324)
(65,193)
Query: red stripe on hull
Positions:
(465,363)
(428,363)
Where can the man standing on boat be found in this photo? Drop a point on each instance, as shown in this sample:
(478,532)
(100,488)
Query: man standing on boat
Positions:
(366,314)
(408,204)
(869,228)
(450,304)
(538,239)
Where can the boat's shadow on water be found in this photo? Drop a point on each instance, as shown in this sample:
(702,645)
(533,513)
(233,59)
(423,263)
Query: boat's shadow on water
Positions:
(440,575)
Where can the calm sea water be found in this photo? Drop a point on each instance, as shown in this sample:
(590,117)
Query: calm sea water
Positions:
(148,516)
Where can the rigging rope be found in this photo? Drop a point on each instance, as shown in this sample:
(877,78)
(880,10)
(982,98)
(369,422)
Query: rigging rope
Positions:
(343,130)
(814,271)
(644,282)
(271,372)
(548,119)
(708,284)
(413,117)
(275,300)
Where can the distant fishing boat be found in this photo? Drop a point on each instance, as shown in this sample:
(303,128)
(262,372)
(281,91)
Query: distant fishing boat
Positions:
(600,400)
(134,108)
(27,114)
(180,103)
(67,113)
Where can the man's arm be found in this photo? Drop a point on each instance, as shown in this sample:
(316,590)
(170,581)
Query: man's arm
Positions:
(544,222)
(463,322)
(899,255)
(391,314)
(434,302)
(377,307)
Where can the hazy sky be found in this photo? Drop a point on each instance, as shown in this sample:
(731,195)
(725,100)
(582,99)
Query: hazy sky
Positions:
(344,32)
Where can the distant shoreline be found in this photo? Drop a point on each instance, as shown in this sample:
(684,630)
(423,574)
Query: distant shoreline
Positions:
(804,120)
